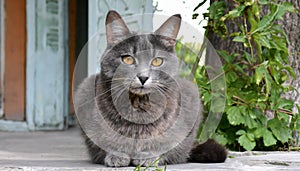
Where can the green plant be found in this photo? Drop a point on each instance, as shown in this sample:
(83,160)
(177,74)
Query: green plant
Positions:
(256,115)
(151,167)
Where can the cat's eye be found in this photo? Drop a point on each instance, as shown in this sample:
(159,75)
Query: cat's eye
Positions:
(157,62)
(129,60)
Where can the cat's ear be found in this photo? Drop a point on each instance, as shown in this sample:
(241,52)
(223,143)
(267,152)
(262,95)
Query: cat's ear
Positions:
(169,30)
(116,29)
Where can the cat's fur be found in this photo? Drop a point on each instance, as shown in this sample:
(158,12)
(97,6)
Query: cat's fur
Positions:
(127,121)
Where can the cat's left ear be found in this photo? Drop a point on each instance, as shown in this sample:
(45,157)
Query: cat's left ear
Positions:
(116,29)
(169,30)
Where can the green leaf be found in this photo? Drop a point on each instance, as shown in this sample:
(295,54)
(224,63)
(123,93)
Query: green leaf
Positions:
(268,138)
(291,71)
(240,69)
(226,57)
(207,97)
(259,74)
(261,117)
(268,80)
(252,114)
(262,105)
(234,116)
(236,12)
(243,109)
(246,142)
(216,10)
(240,132)
(280,130)
(241,39)
(278,29)
(288,7)
(266,21)
(253,23)
(275,95)
(259,132)
(278,43)
(249,122)
(274,72)
(248,57)
(264,41)
(220,138)
(231,76)
(250,136)
(284,103)
(295,122)
(263,2)
(283,8)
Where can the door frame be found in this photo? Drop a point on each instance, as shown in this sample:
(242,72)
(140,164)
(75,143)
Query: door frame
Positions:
(1,56)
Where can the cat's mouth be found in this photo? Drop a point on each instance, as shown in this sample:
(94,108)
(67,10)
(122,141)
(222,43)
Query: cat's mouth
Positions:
(142,90)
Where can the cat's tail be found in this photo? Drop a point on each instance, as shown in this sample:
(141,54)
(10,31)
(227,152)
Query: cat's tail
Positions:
(208,152)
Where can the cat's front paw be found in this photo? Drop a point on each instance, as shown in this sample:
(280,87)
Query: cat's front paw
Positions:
(145,162)
(116,161)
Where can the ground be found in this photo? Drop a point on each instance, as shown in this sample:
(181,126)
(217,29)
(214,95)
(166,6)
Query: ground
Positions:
(64,150)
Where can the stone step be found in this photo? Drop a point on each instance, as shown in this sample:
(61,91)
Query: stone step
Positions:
(65,150)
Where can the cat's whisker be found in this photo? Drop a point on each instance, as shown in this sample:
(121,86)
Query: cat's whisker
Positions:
(167,90)
(166,87)
(118,95)
(93,98)
(107,91)
(162,91)
(112,81)
(124,86)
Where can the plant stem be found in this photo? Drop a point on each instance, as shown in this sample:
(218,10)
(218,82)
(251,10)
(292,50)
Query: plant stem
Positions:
(247,36)
(236,97)
(216,77)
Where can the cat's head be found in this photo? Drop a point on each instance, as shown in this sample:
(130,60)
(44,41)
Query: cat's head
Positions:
(141,62)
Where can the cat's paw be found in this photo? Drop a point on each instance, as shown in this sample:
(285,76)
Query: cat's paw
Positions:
(116,161)
(144,162)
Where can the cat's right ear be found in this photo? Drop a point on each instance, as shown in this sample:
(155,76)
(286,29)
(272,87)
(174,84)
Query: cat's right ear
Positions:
(169,30)
(116,29)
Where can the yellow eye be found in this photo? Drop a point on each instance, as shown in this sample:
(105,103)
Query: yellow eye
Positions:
(157,62)
(129,60)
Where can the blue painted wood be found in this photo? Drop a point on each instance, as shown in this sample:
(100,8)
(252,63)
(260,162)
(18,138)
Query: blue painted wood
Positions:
(47,64)
(13,126)
(133,12)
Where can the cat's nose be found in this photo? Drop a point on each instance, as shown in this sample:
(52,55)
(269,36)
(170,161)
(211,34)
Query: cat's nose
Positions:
(143,79)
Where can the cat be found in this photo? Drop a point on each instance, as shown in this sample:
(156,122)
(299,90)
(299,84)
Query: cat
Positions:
(138,109)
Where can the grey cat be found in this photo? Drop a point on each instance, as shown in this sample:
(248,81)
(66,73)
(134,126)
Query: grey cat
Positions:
(138,109)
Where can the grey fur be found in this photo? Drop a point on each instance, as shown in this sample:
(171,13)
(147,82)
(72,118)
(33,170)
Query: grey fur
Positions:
(124,124)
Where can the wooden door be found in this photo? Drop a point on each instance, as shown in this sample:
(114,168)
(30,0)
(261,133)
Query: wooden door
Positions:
(15,59)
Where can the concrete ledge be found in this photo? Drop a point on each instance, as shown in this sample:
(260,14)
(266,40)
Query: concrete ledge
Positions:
(64,150)
(13,126)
